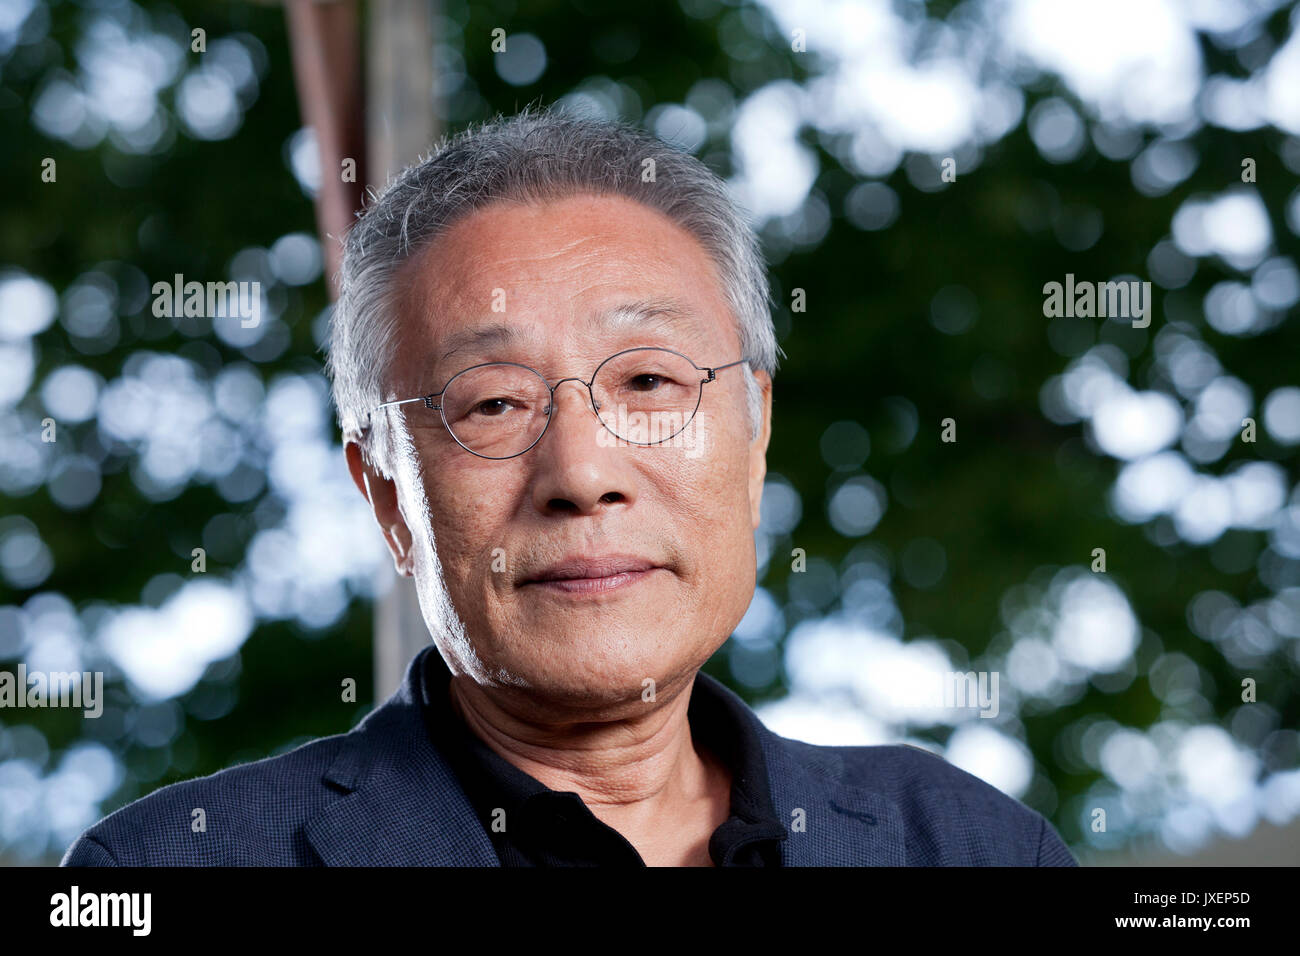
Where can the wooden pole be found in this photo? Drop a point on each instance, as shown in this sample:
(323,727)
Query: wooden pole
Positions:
(398,124)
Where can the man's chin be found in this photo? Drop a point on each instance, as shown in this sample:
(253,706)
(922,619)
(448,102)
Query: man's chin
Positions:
(595,633)
(612,654)
(614,693)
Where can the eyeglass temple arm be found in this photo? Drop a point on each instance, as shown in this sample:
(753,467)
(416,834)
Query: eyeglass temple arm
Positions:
(427,399)
(718,368)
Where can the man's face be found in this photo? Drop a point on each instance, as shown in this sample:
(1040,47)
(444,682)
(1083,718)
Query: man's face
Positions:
(555,272)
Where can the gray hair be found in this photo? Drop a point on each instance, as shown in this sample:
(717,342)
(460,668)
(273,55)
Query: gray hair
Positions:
(536,155)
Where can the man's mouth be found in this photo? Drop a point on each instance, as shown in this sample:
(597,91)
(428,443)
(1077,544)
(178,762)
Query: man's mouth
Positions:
(583,574)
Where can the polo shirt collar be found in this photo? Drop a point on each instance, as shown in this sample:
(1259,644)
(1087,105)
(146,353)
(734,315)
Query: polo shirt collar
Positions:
(718,719)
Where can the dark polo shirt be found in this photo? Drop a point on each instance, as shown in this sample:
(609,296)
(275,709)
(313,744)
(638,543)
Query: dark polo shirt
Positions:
(545,827)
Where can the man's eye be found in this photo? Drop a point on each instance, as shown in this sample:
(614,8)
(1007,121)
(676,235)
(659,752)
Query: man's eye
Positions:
(491,407)
(646,382)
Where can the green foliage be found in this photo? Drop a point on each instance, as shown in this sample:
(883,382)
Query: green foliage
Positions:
(1015,495)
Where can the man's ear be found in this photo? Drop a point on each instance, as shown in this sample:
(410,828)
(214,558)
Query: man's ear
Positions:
(381,492)
(758,450)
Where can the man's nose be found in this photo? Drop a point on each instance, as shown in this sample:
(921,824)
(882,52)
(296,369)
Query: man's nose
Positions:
(574,470)
(574,422)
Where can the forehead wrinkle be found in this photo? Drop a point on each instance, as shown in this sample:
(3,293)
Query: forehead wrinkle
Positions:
(552,252)
(658,314)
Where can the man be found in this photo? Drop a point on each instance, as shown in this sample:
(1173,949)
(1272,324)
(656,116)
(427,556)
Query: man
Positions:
(552,360)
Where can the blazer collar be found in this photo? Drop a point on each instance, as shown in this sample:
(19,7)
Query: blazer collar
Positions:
(403,806)
(840,824)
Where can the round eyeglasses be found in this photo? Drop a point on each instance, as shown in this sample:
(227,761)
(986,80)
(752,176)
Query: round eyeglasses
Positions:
(643,396)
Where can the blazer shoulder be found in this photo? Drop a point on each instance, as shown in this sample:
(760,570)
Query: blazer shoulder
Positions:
(951,816)
(245,815)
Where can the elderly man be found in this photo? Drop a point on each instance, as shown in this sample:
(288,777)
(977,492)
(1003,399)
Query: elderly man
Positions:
(552,361)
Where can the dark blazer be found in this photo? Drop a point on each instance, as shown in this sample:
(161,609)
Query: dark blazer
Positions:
(382,795)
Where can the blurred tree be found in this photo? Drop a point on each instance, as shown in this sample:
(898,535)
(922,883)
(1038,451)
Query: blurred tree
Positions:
(922,301)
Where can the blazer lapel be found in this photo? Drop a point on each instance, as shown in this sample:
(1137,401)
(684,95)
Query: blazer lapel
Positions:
(841,825)
(831,823)
(404,806)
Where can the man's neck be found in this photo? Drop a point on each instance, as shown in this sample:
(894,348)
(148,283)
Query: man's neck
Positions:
(646,777)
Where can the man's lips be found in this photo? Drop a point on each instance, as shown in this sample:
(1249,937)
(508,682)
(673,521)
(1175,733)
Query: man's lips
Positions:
(579,574)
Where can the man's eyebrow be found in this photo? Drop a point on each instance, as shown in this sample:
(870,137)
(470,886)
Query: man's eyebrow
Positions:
(624,316)
(480,338)
(632,314)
